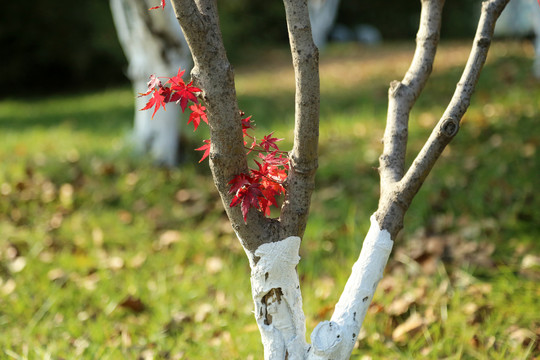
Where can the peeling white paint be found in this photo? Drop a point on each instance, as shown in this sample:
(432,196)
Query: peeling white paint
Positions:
(278,301)
(336,338)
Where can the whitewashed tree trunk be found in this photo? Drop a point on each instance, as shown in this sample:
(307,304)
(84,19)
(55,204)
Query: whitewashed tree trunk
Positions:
(153,44)
(521,18)
(536,25)
(272,245)
(322,14)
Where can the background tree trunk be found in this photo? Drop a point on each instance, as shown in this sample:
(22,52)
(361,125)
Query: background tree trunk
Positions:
(322,14)
(153,44)
(522,18)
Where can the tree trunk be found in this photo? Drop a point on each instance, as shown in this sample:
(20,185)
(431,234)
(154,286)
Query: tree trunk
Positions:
(272,245)
(153,43)
(522,18)
(536,24)
(322,14)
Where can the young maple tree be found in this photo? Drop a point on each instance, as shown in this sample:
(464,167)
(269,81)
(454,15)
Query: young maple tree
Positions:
(258,188)
(272,244)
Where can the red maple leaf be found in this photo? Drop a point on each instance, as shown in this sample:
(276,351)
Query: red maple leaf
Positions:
(184,93)
(238,181)
(177,79)
(268,141)
(197,114)
(253,144)
(264,205)
(272,183)
(158,99)
(263,170)
(248,196)
(205,148)
(273,159)
(151,85)
(247,124)
(162,5)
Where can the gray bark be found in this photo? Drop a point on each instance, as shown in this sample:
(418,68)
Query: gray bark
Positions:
(398,191)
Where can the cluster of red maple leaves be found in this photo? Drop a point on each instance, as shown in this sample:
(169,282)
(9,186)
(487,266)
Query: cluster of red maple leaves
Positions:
(260,187)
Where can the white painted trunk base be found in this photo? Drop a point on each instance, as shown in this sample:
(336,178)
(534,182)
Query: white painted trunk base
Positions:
(278,300)
(336,338)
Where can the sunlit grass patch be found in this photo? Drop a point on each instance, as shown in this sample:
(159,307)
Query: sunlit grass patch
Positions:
(103,255)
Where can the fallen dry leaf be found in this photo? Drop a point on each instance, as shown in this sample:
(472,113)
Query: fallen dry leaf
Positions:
(400,305)
(530,267)
(479,315)
(97,236)
(56,274)
(167,238)
(410,327)
(137,260)
(17,265)
(202,312)
(176,324)
(114,262)
(7,287)
(125,217)
(184,195)
(325,312)
(214,265)
(520,336)
(132,303)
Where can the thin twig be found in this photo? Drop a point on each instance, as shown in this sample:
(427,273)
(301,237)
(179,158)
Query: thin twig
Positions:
(402,95)
(449,123)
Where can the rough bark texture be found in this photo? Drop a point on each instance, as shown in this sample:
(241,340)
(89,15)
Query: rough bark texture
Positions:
(278,302)
(213,73)
(303,157)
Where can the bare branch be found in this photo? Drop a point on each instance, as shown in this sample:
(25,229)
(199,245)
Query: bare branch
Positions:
(448,126)
(396,199)
(213,73)
(303,157)
(402,95)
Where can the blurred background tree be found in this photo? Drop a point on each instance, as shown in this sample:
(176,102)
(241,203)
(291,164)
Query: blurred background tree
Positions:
(60,46)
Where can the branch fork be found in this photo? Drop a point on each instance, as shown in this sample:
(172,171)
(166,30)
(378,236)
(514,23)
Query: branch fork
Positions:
(272,244)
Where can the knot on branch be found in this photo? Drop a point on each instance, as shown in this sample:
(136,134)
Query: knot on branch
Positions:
(305,168)
(483,42)
(449,127)
(398,89)
(326,337)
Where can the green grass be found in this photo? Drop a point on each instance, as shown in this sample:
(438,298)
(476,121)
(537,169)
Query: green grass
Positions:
(103,256)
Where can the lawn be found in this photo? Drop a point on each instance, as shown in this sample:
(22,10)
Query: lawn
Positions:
(104,256)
